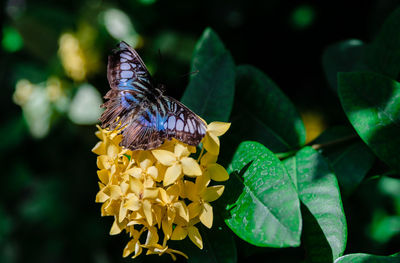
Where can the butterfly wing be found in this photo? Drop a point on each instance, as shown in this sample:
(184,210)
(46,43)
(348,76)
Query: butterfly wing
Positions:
(165,119)
(147,117)
(126,70)
(182,123)
(144,131)
(130,84)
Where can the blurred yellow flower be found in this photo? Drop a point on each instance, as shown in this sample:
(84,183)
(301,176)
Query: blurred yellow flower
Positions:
(79,53)
(314,122)
(157,193)
(72,57)
(23,90)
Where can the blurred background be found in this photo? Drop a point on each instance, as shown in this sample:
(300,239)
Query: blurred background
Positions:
(53,59)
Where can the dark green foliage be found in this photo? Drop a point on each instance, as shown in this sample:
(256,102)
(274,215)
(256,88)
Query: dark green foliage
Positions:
(265,113)
(383,54)
(350,160)
(371,102)
(342,57)
(213,79)
(324,220)
(366,258)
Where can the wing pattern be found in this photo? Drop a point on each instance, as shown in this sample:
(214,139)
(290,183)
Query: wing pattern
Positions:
(147,116)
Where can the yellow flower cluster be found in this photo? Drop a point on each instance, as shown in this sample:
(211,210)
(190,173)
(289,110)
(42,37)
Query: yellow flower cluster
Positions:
(161,194)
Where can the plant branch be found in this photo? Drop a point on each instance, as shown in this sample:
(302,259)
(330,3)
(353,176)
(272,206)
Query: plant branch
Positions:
(316,146)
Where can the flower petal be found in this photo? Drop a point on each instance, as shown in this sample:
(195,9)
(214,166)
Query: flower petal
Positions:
(208,158)
(213,193)
(171,251)
(147,211)
(206,215)
(145,164)
(151,193)
(195,236)
(129,248)
(211,143)
(194,209)
(173,192)
(167,228)
(181,150)
(179,233)
(122,212)
(217,172)
(110,208)
(112,151)
(165,157)
(115,192)
(101,197)
(132,203)
(202,182)
(104,161)
(190,191)
(152,236)
(135,172)
(172,174)
(190,167)
(99,148)
(136,186)
(182,210)
(117,227)
(153,172)
(164,196)
(99,133)
(124,188)
(218,128)
(158,214)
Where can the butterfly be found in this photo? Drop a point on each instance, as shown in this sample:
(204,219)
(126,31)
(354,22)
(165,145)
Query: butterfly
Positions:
(146,115)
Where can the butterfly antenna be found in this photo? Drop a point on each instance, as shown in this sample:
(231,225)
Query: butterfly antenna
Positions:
(190,73)
(160,55)
(160,60)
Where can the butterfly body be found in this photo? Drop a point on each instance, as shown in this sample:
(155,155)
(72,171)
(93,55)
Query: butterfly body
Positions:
(146,115)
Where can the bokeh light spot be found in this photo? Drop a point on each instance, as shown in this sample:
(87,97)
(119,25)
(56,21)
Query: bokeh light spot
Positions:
(85,106)
(12,40)
(314,123)
(303,16)
(147,2)
(119,26)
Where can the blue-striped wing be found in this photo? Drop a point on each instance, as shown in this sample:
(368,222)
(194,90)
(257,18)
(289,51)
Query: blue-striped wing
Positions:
(146,115)
(130,84)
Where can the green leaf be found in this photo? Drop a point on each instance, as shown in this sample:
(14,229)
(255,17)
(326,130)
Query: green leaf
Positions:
(343,56)
(210,91)
(351,165)
(349,158)
(324,219)
(372,104)
(367,258)
(383,54)
(267,213)
(263,113)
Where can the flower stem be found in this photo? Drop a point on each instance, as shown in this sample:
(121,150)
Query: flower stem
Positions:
(316,146)
(201,154)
